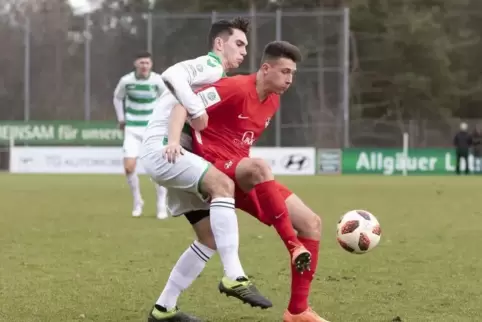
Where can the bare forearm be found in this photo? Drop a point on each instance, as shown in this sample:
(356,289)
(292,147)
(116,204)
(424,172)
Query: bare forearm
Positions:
(176,123)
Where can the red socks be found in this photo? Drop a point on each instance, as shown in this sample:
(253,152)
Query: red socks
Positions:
(300,283)
(273,204)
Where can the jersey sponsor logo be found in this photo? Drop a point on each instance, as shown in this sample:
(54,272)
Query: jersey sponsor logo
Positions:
(248,138)
(295,162)
(228,164)
(209,96)
(199,68)
(241,116)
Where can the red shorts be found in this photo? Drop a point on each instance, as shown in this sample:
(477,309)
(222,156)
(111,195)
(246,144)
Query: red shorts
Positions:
(248,201)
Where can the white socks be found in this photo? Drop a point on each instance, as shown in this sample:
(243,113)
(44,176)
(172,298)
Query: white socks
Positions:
(161,198)
(133,181)
(224,224)
(187,269)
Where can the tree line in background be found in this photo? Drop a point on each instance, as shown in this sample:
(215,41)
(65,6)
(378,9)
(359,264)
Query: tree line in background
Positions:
(409,60)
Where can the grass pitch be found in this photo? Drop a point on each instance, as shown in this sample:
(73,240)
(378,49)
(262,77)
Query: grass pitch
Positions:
(70,251)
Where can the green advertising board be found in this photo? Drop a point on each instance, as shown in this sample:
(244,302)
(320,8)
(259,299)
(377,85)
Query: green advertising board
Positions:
(392,161)
(60,133)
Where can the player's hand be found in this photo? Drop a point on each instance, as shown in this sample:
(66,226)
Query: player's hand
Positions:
(122,125)
(172,151)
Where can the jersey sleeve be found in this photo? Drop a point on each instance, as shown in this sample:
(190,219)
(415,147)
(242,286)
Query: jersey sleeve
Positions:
(182,77)
(119,95)
(161,87)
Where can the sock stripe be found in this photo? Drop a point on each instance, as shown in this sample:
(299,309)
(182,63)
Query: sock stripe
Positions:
(222,203)
(197,253)
(200,251)
(220,206)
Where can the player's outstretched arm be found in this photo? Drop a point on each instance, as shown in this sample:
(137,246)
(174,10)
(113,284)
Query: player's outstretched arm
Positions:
(119,95)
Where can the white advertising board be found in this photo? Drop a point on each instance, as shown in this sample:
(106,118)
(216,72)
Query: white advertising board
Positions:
(283,161)
(67,160)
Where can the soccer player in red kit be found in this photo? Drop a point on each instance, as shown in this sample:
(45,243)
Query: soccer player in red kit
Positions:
(239,108)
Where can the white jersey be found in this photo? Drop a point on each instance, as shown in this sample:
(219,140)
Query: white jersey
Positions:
(136,98)
(183,78)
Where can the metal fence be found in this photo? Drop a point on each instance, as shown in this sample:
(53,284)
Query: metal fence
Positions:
(61,67)
(66,67)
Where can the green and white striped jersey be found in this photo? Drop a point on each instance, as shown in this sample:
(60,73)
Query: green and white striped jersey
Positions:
(139,97)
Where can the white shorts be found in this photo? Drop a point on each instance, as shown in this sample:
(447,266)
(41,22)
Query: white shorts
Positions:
(132,143)
(180,202)
(181,178)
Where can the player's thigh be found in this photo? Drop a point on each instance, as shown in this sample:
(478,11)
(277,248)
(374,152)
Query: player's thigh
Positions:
(252,171)
(185,174)
(131,146)
(305,221)
(180,202)
(218,181)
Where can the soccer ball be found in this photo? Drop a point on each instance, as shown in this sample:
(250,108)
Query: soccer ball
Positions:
(358,231)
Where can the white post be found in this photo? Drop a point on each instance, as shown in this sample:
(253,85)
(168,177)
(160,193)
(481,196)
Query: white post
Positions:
(11,145)
(405,154)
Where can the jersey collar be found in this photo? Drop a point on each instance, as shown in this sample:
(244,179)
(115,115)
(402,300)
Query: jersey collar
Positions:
(215,57)
(141,78)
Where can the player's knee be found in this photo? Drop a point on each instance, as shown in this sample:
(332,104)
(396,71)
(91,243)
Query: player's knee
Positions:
(217,184)
(225,187)
(260,171)
(310,225)
(129,166)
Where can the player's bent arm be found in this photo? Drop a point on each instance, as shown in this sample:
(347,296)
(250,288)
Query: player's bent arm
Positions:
(119,95)
(179,79)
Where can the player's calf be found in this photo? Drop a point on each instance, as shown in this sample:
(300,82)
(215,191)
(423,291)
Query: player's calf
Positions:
(223,220)
(308,225)
(133,182)
(256,173)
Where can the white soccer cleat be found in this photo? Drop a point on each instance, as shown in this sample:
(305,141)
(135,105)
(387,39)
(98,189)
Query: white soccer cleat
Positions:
(162,215)
(137,211)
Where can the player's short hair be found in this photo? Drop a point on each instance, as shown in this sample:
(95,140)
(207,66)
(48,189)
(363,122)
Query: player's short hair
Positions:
(226,27)
(281,49)
(143,54)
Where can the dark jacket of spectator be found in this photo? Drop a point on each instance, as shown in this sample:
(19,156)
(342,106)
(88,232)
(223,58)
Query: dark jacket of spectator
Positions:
(462,142)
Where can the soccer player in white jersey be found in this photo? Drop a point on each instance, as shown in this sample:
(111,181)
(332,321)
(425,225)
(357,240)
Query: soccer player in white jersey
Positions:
(190,177)
(135,97)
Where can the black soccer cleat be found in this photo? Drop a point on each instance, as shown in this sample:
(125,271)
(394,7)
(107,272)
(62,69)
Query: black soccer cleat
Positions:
(159,313)
(245,291)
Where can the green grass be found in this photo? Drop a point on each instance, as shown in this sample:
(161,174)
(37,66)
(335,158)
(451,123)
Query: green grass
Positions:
(69,251)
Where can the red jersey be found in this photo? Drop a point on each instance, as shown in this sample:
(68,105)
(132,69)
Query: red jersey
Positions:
(237,118)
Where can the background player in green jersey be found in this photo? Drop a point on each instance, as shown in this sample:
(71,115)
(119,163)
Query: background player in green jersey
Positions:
(135,97)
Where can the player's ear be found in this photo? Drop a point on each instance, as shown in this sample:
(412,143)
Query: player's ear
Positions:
(265,67)
(218,43)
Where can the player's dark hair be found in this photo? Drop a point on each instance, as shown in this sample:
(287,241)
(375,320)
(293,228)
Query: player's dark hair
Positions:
(281,49)
(144,54)
(226,27)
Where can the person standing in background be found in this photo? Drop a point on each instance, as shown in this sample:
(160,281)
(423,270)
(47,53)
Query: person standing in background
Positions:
(462,142)
(135,96)
(477,149)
